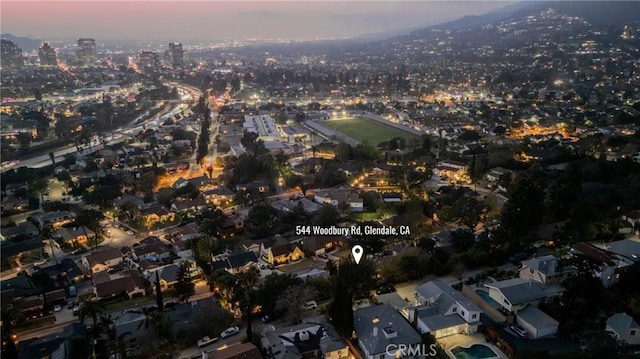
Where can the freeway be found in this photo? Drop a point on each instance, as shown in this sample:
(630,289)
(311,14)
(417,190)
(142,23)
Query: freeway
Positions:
(187,94)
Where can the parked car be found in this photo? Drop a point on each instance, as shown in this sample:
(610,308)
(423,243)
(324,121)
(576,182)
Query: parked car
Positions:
(130,232)
(323,255)
(271,316)
(229,332)
(386,289)
(76,310)
(57,308)
(310,305)
(206,341)
(519,331)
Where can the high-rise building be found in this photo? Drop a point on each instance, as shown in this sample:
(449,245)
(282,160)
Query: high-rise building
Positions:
(10,55)
(148,60)
(86,52)
(177,55)
(47,55)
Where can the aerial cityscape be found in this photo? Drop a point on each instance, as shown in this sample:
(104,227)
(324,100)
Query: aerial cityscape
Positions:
(320,179)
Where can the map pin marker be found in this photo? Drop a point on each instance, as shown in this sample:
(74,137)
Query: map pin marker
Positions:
(357,251)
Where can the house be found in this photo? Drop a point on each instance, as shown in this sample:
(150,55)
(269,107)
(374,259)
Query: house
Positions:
(305,205)
(452,170)
(235,263)
(234,351)
(66,270)
(314,338)
(127,283)
(103,260)
(184,317)
(380,327)
(632,217)
(57,345)
(607,266)
(155,252)
(11,188)
(156,214)
(198,182)
(536,322)
(624,328)
(514,294)
(259,186)
(130,326)
(443,311)
(196,204)
(546,270)
(27,229)
(55,220)
(626,250)
(322,244)
(26,251)
(338,197)
(280,250)
(495,173)
(218,195)
(11,203)
(233,224)
(74,235)
(168,276)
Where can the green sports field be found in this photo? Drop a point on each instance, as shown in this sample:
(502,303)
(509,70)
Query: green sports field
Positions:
(363,129)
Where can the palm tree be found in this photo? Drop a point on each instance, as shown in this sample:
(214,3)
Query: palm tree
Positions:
(39,185)
(53,158)
(91,309)
(119,345)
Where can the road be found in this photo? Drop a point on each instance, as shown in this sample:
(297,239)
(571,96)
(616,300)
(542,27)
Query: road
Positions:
(188,94)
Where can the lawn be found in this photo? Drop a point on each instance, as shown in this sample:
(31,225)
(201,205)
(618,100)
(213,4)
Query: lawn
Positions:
(125,304)
(366,130)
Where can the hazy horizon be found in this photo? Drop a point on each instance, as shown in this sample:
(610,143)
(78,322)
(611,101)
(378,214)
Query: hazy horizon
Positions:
(198,21)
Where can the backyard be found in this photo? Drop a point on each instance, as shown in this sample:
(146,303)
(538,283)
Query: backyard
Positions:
(362,130)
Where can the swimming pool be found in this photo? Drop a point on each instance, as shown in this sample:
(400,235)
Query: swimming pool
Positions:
(484,295)
(476,351)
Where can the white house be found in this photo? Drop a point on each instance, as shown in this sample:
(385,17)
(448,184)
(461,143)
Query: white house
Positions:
(624,328)
(514,294)
(336,197)
(536,322)
(443,311)
(546,269)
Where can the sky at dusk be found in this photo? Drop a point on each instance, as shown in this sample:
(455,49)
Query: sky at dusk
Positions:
(190,21)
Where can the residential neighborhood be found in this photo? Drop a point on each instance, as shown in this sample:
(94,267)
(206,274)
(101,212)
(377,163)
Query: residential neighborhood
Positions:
(470,189)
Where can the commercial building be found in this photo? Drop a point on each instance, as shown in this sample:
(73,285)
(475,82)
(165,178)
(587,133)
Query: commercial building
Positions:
(263,126)
(47,55)
(10,55)
(86,52)
(149,60)
(176,54)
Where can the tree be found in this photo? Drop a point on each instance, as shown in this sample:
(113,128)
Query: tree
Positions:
(462,239)
(343,152)
(327,215)
(38,185)
(210,220)
(91,309)
(90,218)
(53,158)
(184,287)
(293,298)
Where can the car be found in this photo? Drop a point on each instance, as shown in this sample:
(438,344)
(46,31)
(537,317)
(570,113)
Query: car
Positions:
(57,308)
(76,310)
(386,289)
(132,310)
(70,305)
(310,305)
(262,266)
(229,332)
(519,331)
(130,232)
(206,341)
(78,251)
(170,305)
(271,316)
(323,255)
(117,225)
